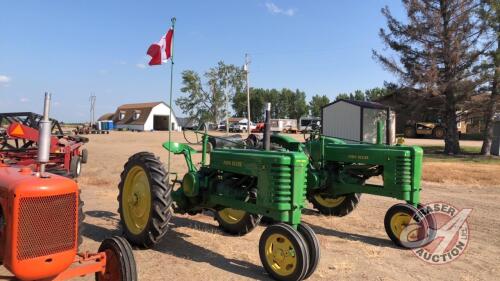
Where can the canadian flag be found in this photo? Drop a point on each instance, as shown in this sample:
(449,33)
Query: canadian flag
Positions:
(161,51)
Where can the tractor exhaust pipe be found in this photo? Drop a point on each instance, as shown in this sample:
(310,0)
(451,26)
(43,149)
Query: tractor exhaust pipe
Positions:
(267,128)
(44,136)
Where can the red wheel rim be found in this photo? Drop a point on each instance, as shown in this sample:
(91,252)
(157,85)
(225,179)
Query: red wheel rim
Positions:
(113,272)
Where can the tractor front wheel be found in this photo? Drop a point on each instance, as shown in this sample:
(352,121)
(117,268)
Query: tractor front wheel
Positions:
(284,253)
(312,245)
(120,262)
(144,200)
(335,206)
(236,222)
(408,227)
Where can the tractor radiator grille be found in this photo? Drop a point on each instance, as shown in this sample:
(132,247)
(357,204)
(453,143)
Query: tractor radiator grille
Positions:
(403,170)
(282,184)
(47,225)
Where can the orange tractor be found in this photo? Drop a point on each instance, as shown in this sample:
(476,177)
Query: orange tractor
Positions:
(40,215)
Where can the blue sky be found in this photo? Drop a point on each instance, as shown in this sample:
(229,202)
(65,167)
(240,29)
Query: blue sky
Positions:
(73,48)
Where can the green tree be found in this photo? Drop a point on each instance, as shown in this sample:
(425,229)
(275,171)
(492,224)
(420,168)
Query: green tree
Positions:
(342,96)
(375,93)
(438,45)
(491,17)
(316,103)
(297,105)
(257,96)
(210,103)
(359,95)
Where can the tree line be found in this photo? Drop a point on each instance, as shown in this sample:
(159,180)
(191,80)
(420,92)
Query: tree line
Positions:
(224,87)
(443,52)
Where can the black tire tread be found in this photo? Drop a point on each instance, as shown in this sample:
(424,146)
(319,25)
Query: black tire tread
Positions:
(313,246)
(247,224)
(85,156)
(345,208)
(409,209)
(127,261)
(302,244)
(161,211)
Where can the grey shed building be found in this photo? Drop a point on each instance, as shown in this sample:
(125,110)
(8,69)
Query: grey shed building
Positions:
(357,121)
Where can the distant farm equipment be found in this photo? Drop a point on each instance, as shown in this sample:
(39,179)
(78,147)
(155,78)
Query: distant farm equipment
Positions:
(418,129)
(87,129)
(19,144)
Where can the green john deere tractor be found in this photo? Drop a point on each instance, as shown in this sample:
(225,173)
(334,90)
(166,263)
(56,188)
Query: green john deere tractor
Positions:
(239,186)
(242,185)
(338,173)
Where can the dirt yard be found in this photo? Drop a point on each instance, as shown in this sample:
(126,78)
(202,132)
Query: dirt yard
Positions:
(354,247)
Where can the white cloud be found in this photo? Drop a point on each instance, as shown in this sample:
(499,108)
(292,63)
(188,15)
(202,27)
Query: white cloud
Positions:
(275,10)
(4,79)
(140,65)
(24,100)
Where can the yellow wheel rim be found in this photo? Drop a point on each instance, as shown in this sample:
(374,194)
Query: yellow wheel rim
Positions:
(329,202)
(136,200)
(398,222)
(280,254)
(231,216)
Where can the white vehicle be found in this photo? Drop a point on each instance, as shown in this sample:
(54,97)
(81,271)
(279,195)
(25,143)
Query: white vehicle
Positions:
(242,126)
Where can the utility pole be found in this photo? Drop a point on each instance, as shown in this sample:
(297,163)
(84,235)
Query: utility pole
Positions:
(92,109)
(247,62)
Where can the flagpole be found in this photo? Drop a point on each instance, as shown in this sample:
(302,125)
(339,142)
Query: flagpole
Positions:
(171,87)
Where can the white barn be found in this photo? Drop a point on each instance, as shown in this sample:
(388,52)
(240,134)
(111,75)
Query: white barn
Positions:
(151,116)
(357,121)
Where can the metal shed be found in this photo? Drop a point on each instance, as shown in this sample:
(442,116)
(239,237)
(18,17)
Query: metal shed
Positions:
(357,121)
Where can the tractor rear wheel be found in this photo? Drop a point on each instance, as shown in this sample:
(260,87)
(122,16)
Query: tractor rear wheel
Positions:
(120,261)
(236,222)
(145,200)
(409,228)
(410,132)
(284,253)
(313,247)
(335,206)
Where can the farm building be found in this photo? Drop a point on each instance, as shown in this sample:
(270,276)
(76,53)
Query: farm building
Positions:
(151,116)
(357,121)
(106,117)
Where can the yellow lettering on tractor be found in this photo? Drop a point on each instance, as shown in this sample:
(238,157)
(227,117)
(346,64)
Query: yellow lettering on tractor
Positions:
(233,163)
(357,157)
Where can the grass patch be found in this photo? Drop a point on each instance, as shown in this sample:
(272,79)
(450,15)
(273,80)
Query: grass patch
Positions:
(468,154)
